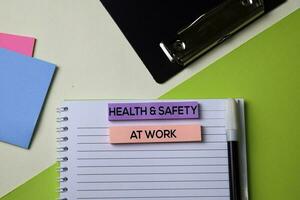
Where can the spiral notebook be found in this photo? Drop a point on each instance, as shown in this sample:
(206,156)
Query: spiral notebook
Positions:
(93,168)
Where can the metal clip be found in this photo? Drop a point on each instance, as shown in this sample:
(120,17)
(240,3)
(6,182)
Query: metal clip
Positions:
(62,149)
(211,29)
(62,129)
(62,119)
(62,139)
(63,159)
(62,169)
(62,180)
(62,109)
(62,190)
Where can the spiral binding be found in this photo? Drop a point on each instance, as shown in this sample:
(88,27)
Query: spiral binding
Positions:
(62,149)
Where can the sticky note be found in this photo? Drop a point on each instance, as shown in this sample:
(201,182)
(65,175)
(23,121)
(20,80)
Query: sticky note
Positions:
(154,134)
(153,110)
(20,44)
(24,83)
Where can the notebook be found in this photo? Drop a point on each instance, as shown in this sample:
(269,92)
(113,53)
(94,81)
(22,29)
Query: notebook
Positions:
(17,43)
(24,82)
(93,168)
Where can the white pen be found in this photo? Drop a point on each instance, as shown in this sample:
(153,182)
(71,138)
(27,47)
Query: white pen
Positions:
(232,143)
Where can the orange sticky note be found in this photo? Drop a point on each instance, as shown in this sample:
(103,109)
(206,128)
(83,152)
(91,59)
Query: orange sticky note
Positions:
(154,134)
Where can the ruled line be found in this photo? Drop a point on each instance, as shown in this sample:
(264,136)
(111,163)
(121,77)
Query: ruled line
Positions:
(152,197)
(92,135)
(92,127)
(212,118)
(159,181)
(151,189)
(212,127)
(93,143)
(95,166)
(145,158)
(95,127)
(159,173)
(149,150)
(210,142)
(213,110)
(106,135)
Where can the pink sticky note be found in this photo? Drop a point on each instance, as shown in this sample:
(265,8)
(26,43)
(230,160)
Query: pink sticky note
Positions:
(20,44)
(154,134)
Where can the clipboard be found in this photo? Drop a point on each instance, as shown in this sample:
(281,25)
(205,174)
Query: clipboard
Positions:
(147,24)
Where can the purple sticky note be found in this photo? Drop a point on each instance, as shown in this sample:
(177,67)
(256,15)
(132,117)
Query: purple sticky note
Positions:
(153,110)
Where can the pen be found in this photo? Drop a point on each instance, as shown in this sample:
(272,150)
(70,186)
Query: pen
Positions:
(232,143)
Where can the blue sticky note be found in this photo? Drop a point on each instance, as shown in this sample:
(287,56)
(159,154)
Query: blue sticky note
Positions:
(24,82)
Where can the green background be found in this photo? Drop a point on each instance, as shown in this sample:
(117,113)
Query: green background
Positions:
(265,71)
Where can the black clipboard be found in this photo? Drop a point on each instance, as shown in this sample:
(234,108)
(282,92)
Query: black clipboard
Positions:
(145,23)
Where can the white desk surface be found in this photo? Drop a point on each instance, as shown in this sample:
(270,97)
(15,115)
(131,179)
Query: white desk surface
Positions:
(94,61)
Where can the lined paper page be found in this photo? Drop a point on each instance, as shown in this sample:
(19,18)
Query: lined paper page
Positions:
(185,171)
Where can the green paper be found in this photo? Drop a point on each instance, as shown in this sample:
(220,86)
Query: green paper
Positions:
(41,187)
(265,71)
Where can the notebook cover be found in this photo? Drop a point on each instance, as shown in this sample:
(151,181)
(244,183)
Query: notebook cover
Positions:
(20,44)
(146,23)
(24,82)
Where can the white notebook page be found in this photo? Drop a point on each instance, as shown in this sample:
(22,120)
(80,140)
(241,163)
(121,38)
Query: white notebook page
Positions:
(185,171)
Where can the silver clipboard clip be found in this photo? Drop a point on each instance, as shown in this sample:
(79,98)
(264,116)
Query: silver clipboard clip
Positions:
(211,29)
